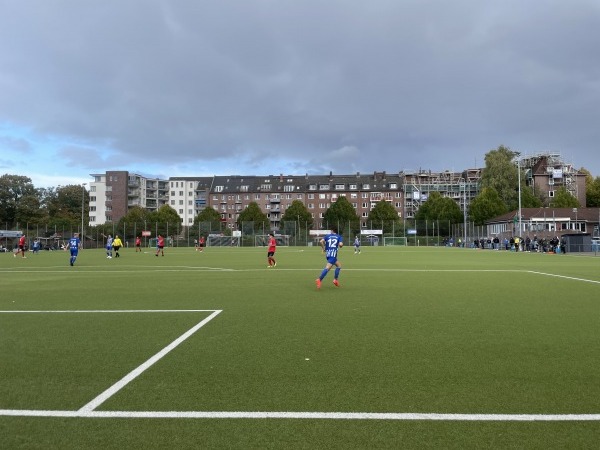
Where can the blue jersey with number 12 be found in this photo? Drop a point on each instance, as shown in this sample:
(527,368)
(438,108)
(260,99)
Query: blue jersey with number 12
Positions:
(332,245)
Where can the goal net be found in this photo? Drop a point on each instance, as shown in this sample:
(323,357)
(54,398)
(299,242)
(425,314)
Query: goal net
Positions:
(394,241)
(262,240)
(218,240)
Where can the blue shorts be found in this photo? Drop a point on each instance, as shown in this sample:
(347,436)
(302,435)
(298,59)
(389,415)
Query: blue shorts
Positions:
(74,252)
(332,259)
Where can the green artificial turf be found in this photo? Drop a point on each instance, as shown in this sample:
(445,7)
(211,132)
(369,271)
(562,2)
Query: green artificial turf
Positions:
(410,330)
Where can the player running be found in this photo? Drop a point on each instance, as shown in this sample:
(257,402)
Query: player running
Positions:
(74,244)
(356,245)
(21,247)
(330,244)
(271,251)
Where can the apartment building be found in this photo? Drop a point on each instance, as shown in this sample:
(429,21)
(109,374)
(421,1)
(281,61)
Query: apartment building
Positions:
(112,193)
(547,172)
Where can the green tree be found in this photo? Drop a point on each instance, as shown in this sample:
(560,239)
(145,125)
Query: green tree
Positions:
(135,221)
(206,222)
(296,218)
(385,216)
(343,215)
(252,220)
(65,207)
(592,193)
(501,174)
(529,199)
(564,199)
(13,188)
(165,220)
(442,210)
(486,205)
(592,189)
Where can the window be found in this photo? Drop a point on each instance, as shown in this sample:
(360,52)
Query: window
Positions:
(550,194)
(366,186)
(323,187)
(244,188)
(353,186)
(92,188)
(218,188)
(288,188)
(180,202)
(265,187)
(393,186)
(353,195)
(172,193)
(339,187)
(92,198)
(181,193)
(190,194)
(172,202)
(312,187)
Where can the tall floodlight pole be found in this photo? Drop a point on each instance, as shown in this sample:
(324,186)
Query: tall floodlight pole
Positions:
(519,178)
(465,214)
(82,211)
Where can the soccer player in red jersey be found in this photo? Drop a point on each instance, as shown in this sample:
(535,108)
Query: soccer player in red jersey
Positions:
(271,251)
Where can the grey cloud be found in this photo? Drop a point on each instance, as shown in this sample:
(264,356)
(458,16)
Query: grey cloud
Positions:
(410,84)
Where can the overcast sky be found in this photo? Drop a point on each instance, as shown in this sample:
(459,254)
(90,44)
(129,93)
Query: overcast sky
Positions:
(197,87)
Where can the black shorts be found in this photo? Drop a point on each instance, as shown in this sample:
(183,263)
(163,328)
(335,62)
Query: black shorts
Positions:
(270,253)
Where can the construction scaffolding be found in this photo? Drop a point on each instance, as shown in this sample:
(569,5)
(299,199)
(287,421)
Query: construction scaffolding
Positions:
(462,187)
(548,171)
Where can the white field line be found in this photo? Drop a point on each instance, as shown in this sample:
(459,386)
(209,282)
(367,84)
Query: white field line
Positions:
(140,369)
(564,276)
(304,415)
(83,311)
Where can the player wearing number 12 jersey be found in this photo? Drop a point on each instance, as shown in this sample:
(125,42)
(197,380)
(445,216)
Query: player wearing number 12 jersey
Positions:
(330,244)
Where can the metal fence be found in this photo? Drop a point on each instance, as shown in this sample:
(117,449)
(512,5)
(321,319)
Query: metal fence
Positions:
(414,233)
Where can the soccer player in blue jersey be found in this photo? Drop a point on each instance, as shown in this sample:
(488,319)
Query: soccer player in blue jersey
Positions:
(109,248)
(330,244)
(74,244)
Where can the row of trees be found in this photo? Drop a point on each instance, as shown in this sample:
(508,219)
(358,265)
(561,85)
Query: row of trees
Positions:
(64,206)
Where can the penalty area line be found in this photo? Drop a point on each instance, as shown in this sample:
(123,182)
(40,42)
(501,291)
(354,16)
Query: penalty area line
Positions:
(564,276)
(304,415)
(143,367)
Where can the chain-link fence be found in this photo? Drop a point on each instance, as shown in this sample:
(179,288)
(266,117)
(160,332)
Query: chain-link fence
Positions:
(293,233)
